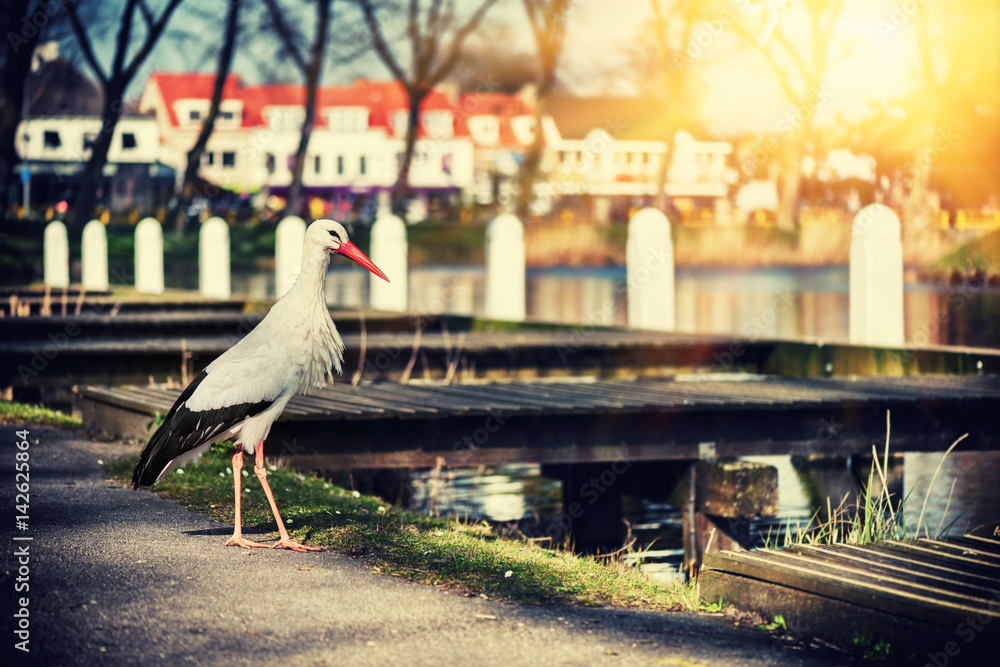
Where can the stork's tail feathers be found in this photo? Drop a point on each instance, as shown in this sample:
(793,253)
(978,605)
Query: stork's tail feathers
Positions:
(154,458)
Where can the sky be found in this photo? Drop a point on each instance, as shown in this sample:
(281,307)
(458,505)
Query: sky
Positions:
(741,93)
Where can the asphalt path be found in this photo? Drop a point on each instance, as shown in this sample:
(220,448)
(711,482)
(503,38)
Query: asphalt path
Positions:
(123,577)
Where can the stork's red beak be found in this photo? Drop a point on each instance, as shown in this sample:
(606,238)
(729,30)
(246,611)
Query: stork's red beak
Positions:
(348,249)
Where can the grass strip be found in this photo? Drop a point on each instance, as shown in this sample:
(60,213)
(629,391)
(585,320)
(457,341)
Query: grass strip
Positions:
(20,413)
(470,558)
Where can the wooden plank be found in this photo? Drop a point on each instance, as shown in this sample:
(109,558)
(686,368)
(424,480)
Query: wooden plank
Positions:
(925,588)
(960,549)
(977,542)
(910,560)
(812,615)
(942,556)
(907,603)
(875,562)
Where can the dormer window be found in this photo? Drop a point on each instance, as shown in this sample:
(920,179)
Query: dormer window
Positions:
(348,119)
(226,115)
(50,139)
(438,124)
(485,130)
(400,123)
(285,118)
(194,115)
(128,141)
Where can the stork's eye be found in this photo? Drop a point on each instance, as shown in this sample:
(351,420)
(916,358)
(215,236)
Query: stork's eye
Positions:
(335,234)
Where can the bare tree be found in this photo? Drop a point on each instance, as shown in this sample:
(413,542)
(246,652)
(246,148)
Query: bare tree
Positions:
(311,69)
(548,24)
(673,65)
(800,65)
(186,193)
(17,64)
(113,85)
(430,63)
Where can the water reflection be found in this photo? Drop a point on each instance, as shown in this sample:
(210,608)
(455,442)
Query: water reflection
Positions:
(751,303)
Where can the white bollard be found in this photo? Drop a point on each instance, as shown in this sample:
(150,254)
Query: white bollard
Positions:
(288,241)
(56,255)
(876,298)
(649,256)
(149,256)
(505,268)
(213,259)
(94,254)
(389,252)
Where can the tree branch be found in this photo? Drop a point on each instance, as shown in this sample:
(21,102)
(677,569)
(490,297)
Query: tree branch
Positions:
(779,72)
(378,41)
(151,37)
(84,42)
(147,14)
(122,42)
(456,43)
(287,35)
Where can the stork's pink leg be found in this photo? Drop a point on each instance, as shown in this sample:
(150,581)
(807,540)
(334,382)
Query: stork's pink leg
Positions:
(285,542)
(237,538)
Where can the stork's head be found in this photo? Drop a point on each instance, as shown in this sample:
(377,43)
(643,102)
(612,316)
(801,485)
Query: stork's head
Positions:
(332,237)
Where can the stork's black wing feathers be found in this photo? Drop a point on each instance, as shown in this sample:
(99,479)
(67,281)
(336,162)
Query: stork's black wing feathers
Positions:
(183,430)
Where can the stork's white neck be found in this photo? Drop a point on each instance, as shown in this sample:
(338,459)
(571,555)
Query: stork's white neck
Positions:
(311,283)
(304,309)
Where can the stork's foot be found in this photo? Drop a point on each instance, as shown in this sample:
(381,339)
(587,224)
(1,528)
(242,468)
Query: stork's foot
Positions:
(294,546)
(238,541)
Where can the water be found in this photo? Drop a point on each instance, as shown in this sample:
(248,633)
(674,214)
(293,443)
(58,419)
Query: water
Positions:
(751,303)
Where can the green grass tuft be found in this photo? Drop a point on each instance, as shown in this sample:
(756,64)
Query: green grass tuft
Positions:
(471,558)
(877,517)
(20,413)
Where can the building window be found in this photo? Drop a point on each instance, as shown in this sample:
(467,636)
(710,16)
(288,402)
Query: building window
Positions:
(208,158)
(362,166)
(51,139)
(316,164)
(340,165)
(194,115)
(227,115)
(128,141)
(228,159)
(269,163)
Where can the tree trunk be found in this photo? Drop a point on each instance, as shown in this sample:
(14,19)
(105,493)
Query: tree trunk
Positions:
(292,204)
(790,177)
(660,198)
(186,193)
(533,160)
(916,213)
(15,72)
(93,172)
(402,188)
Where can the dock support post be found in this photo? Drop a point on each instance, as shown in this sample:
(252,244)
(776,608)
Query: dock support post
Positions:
(149,256)
(213,259)
(288,241)
(876,278)
(649,254)
(719,501)
(56,251)
(592,504)
(388,251)
(94,257)
(505,268)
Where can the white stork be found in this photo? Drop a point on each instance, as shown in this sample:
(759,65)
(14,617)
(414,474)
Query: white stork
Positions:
(240,394)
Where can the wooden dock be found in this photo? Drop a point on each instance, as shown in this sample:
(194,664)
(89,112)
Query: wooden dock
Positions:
(579,421)
(933,601)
